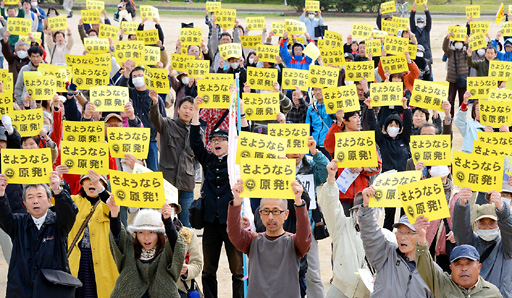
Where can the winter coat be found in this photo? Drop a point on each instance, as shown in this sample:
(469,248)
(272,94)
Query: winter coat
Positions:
(502,56)
(14,62)
(462,65)
(423,34)
(297,62)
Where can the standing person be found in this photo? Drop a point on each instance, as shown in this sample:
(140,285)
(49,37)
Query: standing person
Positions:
(16,60)
(41,15)
(68,6)
(176,157)
(35,55)
(312,23)
(275,246)
(319,120)
(214,41)
(492,240)
(468,127)
(133,78)
(149,264)
(465,279)
(60,47)
(395,263)
(482,66)
(457,70)
(39,240)
(296,59)
(25,4)
(421,29)
(299,109)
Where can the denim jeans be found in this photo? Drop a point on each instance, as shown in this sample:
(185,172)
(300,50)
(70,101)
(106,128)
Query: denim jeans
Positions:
(185,198)
(152,160)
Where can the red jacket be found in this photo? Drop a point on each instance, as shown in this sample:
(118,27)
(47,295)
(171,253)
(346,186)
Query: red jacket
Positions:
(409,77)
(362,181)
(330,139)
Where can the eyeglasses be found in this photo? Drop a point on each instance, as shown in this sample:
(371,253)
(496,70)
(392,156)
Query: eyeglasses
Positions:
(218,140)
(274,212)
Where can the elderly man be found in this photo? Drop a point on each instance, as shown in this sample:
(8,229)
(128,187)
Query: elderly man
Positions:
(492,240)
(39,241)
(465,279)
(275,252)
(312,22)
(396,269)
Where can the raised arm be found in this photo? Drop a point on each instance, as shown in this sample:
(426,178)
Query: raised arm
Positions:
(7,218)
(64,206)
(462,229)
(504,221)
(154,115)
(302,238)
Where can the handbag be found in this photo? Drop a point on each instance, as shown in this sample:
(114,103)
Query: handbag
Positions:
(196,213)
(320,31)
(320,229)
(55,283)
(193,290)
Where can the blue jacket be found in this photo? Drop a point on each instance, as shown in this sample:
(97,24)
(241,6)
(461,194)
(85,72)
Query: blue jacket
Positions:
(297,62)
(42,15)
(503,56)
(319,121)
(311,25)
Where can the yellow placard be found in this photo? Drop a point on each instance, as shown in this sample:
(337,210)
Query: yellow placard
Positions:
(26,38)
(502,70)
(58,23)
(108,31)
(225,18)
(477,41)
(96,59)
(251,42)
(255,23)
(476,172)
(294,26)
(11,2)
(129,140)
(312,5)
(390,27)
(386,188)
(220,76)
(425,197)
(394,64)
(386,94)
(151,55)
(495,113)
(96,45)
(483,87)
(412,49)
(261,106)
(322,76)
(431,150)
(215,93)
(267,53)
(6,79)
(259,146)
(479,27)
(129,27)
(264,178)
(428,95)
(473,11)
(396,45)
(91,16)
(295,78)
(498,94)
(80,157)
(373,47)
(230,50)
(261,78)
(297,135)
(83,131)
(143,190)
(401,23)
(197,68)
(496,138)
(379,33)
(278,28)
(109,98)
(191,36)
(213,5)
(356,149)
(388,7)
(129,49)
(27,166)
(355,71)
(459,33)
(89,75)
(157,79)
(6,106)
(361,31)
(332,56)
(311,51)
(486,149)
(19,26)
(41,87)
(148,36)
(148,11)
(27,122)
(333,39)
(421,2)
(506,29)
(95,5)
(62,74)
(179,61)
(341,98)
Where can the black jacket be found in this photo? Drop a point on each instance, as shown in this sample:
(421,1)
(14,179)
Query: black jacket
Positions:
(35,249)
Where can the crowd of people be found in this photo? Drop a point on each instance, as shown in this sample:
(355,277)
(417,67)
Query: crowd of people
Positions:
(71,238)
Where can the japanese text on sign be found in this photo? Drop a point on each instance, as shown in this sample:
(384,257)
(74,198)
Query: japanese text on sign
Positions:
(109,98)
(278,28)
(225,18)
(312,5)
(151,55)
(94,5)
(62,74)
(197,68)
(294,26)
(179,61)
(477,41)
(128,140)
(459,33)
(394,64)
(428,95)
(6,106)
(386,94)
(40,87)
(148,11)
(213,5)
(129,49)
(341,98)
(362,31)
(297,135)
(251,42)
(129,27)
(108,31)
(295,78)
(267,53)
(156,79)
(144,190)
(322,76)
(473,11)
(431,150)
(27,166)
(332,56)
(83,131)
(58,23)
(479,27)
(86,76)
(396,45)
(230,50)
(148,36)
(388,7)
(356,149)
(82,157)
(498,94)
(261,78)
(261,106)
(19,26)
(266,178)
(215,93)
(480,88)
(27,122)
(502,70)
(355,71)
(91,16)
(496,138)
(191,36)
(386,188)
(255,23)
(373,47)
(495,113)
(96,45)
(96,59)
(255,145)
(477,173)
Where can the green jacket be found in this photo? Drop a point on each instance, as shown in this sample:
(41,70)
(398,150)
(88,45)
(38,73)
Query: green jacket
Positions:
(135,277)
(481,66)
(441,283)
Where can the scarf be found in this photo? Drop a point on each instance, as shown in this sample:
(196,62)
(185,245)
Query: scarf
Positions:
(147,254)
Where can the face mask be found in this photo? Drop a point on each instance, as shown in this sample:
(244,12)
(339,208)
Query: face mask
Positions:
(95,36)
(439,171)
(251,60)
(419,54)
(22,54)
(420,25)
(234,65)
(393,131)
(48,128)
(138,82)
(480,52)
(34,4)
(488,235)
(185,80)
(311,16)
(458,46)
(52,15)
(506,201)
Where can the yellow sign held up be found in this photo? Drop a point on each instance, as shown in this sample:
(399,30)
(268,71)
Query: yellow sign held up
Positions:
(261,106)
(129,49)
(91,16)
(294,26)
(297,135)
(312,5)
(386,94)
(333,39)
(396,45)
(27,122)
(322,76)
(157,79)
(151,55)
(431,150)
(255,23)
(82,157)
(19,26)
(386,184)
(356,149)
(394,64)
(267,53)
(129,140)
(230,50)
(261,78)
(148,11)
(373,47)
(361,31)
(96,45)
(459,33)
(251,42)
(41,87)
(215,93)
(495,113)
(267,178)
(486,149)
(148,36)
(129,27)
(388,7)
(58,23)
(179,61)
(86,76)
(109,98)
(341,98)
(428,95)
(95,5)
(26,38)
(479,27)
(108,31)
(225,18)
(259,146)
(6,79)
(62,74)
(332,56)
(506,29)
(11,2)
(197,68)
(498,94)
(278,28)
(295,78)
(473,11)
(6,106)
(191,36)
(355,71)
(96,59)
(477,173)
(390,27)
(143,190)
(401,23)
(425,197)
(502,70)
(477,41)
(27,166)
(496,138)
(83,131)
(213,5)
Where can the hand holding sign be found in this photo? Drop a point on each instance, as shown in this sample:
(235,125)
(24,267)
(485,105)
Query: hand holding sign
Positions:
(114,209)
(367,193)
(421,225)
(495,198)
(464,194)
(237,189)
(3,184)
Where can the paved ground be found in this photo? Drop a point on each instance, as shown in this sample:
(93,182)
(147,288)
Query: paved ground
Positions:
(171,25)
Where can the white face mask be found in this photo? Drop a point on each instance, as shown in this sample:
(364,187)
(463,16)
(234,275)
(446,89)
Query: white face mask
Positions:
(419,54)
(393,131)
(22,54)
(506,201)
(439,171)
(234,65)
(420,25)
(94,36)
(488,235)
(52,15)
(185,80)
(34,4)
(459,45)
(48,128)
(251,60)
(480,52)
(138,82)
(311,16)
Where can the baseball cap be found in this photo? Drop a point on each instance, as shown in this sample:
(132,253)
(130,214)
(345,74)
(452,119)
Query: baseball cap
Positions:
(486,211)
(349,56)
(464,251)
(113,115)
(420,20)
(404,220)
(358,200)
(219,133)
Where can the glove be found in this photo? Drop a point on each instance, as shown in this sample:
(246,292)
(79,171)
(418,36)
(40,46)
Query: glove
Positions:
(7,122)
